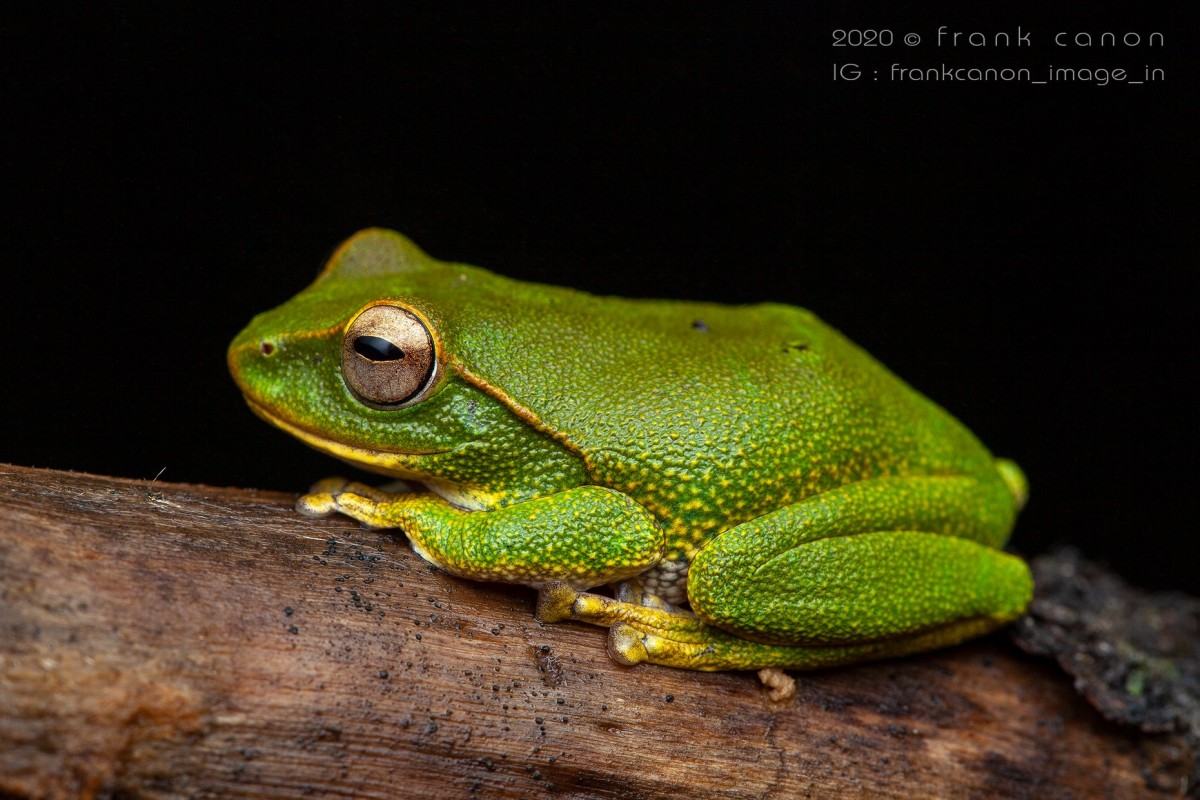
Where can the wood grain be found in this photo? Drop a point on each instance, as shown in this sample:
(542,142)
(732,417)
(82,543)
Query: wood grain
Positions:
(190,641)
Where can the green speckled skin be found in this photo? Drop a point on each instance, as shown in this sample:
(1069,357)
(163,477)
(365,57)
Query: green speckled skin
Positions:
(750,463)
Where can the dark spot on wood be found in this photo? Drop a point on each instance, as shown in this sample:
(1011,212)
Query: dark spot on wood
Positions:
(548,666)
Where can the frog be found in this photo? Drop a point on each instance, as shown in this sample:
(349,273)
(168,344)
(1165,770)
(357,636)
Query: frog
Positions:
(721,487)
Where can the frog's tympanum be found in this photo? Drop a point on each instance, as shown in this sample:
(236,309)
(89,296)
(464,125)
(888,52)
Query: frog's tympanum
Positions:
(757,491)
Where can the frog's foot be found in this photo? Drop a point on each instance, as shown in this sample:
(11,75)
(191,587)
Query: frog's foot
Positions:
(356,500)
(559,601)
(656,632)
(638,633)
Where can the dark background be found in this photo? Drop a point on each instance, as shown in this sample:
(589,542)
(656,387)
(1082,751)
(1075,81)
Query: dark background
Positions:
(1015,251)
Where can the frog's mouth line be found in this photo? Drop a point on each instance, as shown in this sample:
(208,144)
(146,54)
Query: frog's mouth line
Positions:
(391,463)
(396,465)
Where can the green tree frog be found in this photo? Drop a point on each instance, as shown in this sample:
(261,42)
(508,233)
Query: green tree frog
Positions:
(757,491)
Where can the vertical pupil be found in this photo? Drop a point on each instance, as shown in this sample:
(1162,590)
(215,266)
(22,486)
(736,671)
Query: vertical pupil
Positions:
(375,348)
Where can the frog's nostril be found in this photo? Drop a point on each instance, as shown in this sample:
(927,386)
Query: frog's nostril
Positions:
(266,348)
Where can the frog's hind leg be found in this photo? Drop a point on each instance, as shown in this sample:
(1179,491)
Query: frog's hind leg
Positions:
(678,638)
(871,570)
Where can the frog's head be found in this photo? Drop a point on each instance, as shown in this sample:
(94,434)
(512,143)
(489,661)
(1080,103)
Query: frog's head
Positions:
(357,365)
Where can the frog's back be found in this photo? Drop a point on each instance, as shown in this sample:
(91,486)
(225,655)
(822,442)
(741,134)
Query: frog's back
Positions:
(707,414)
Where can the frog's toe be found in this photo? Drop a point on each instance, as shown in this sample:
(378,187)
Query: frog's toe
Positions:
(556,602)
(318,504)
(626,644)
(322,498)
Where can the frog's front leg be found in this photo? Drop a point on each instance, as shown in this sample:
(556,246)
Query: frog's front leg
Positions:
(870,570)
(584,537)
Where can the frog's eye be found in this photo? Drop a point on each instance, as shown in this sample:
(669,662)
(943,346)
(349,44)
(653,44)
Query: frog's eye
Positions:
(388,357)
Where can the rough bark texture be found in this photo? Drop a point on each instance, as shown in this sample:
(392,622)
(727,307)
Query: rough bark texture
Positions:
(1135,656)
(189,641)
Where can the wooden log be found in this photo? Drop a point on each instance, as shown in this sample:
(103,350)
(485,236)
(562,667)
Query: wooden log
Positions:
(188,641)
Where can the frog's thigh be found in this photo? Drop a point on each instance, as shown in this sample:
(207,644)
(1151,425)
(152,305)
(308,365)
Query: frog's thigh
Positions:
(872,560)
(852,589)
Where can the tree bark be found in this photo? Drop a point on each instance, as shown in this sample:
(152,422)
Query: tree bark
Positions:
(161,640)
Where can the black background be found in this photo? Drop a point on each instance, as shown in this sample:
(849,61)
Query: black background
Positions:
(1013,250)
